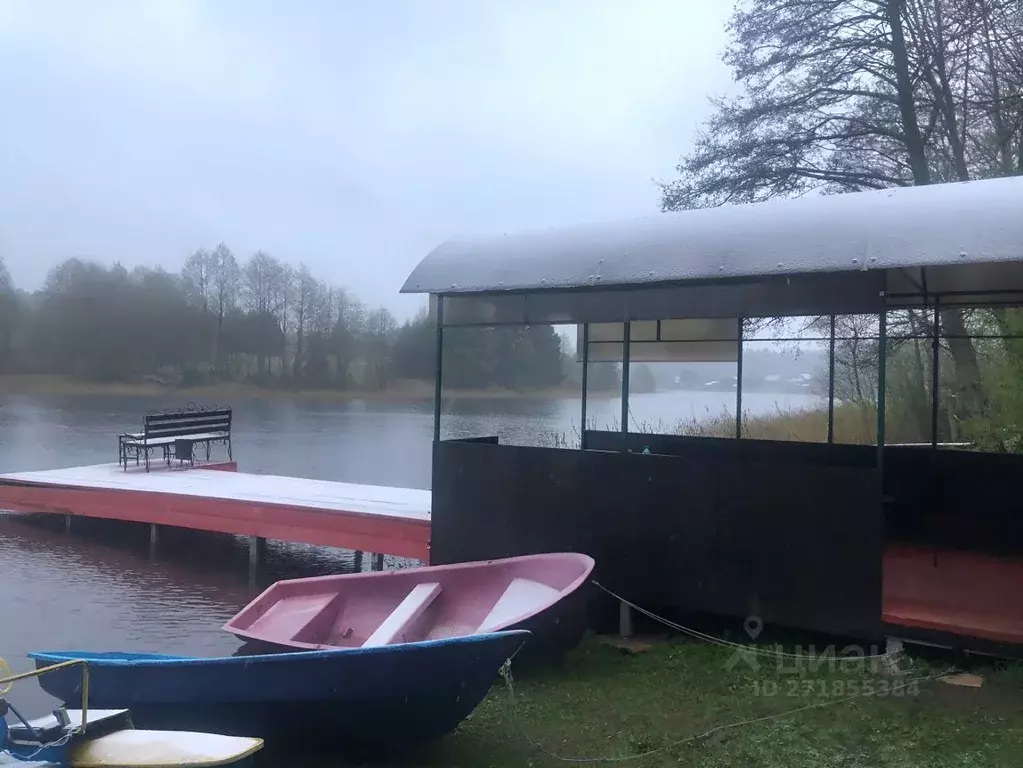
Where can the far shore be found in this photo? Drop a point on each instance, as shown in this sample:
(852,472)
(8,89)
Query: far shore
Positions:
(401,390)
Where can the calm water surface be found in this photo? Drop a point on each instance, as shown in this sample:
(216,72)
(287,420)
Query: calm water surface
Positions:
(99,587)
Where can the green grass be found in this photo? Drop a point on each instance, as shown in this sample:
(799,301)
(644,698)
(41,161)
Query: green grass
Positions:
(605,704)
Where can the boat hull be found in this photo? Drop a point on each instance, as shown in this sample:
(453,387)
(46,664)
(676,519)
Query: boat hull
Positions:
(394,696)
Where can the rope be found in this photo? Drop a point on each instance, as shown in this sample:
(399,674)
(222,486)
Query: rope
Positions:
(7,681)
(68,735)
(889,656)
(753,650)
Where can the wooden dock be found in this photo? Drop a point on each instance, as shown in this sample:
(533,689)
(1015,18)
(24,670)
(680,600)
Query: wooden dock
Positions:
(216,497)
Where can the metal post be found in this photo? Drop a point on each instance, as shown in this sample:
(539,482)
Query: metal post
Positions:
(586,366)
(438,382)
(935,372)
(935,394)
(358,561)
(626,343)
(67,524)
(153,535)
(378,561)
(882,364)
(624,611)
(831,383)
(738,383)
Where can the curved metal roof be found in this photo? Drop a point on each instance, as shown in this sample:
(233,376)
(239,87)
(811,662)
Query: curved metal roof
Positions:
(942,224)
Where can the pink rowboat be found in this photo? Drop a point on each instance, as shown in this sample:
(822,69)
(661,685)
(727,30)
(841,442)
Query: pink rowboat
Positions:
(364,610)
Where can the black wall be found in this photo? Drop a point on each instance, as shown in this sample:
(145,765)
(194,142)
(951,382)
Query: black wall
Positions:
(956,499)
(793,544)
(730,449)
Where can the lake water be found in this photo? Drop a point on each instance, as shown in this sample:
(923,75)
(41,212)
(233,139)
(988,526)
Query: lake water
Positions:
(98,588)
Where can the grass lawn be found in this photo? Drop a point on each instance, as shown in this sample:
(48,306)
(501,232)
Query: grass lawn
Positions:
(603,703)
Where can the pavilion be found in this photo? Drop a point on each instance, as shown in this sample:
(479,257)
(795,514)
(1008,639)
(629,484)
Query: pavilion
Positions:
(920,542)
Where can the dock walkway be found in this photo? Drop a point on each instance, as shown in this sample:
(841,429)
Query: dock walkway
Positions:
(371,518)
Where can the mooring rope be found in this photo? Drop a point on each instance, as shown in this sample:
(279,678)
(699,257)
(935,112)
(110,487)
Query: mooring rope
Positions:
(68,735)
(752,650)
(7,681)
(889,656)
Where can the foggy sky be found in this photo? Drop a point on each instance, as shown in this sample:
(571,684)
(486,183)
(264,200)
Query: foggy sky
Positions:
(353,136)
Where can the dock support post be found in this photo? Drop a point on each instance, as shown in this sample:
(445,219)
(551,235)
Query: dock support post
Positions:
(67,524)
(256,546)
(358,561)
(378,561)
(153,535)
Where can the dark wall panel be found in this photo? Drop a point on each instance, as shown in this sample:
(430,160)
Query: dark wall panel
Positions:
(959,499)
(835,454)
(795,545)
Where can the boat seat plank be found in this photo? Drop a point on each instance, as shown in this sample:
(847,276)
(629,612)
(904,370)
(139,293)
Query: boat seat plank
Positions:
(287,618)
(408,610)
(521,596)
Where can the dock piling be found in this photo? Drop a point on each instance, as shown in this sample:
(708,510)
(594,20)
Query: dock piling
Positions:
(153,535)
(378,561)
(256,546)
(67,524)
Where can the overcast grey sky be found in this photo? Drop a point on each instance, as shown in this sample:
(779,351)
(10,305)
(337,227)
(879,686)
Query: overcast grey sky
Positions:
(353,136)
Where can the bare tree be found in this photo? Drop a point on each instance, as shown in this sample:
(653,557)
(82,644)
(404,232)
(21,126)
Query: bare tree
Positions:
(307,291)
(265,286)
(196,277)
(224,277)
(847,95)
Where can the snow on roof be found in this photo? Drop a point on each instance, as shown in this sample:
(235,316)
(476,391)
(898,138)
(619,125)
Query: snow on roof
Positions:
(937,225)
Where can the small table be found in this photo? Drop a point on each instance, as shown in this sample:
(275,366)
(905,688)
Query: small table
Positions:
(183,450)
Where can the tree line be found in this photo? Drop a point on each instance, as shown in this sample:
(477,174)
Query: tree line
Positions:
(261,321)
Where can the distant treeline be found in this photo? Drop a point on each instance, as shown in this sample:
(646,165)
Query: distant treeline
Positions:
(261,321)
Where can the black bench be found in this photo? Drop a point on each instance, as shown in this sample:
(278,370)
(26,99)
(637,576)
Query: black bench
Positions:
(175,433)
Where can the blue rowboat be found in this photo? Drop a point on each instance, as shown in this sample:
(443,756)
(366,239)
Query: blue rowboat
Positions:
(391,695)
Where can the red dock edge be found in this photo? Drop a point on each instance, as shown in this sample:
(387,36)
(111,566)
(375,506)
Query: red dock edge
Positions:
(384,534)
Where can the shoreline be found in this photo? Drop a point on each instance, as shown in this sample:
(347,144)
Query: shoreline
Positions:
(403,390)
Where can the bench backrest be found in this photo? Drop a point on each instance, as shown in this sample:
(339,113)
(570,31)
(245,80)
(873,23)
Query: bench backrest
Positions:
(186,423)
